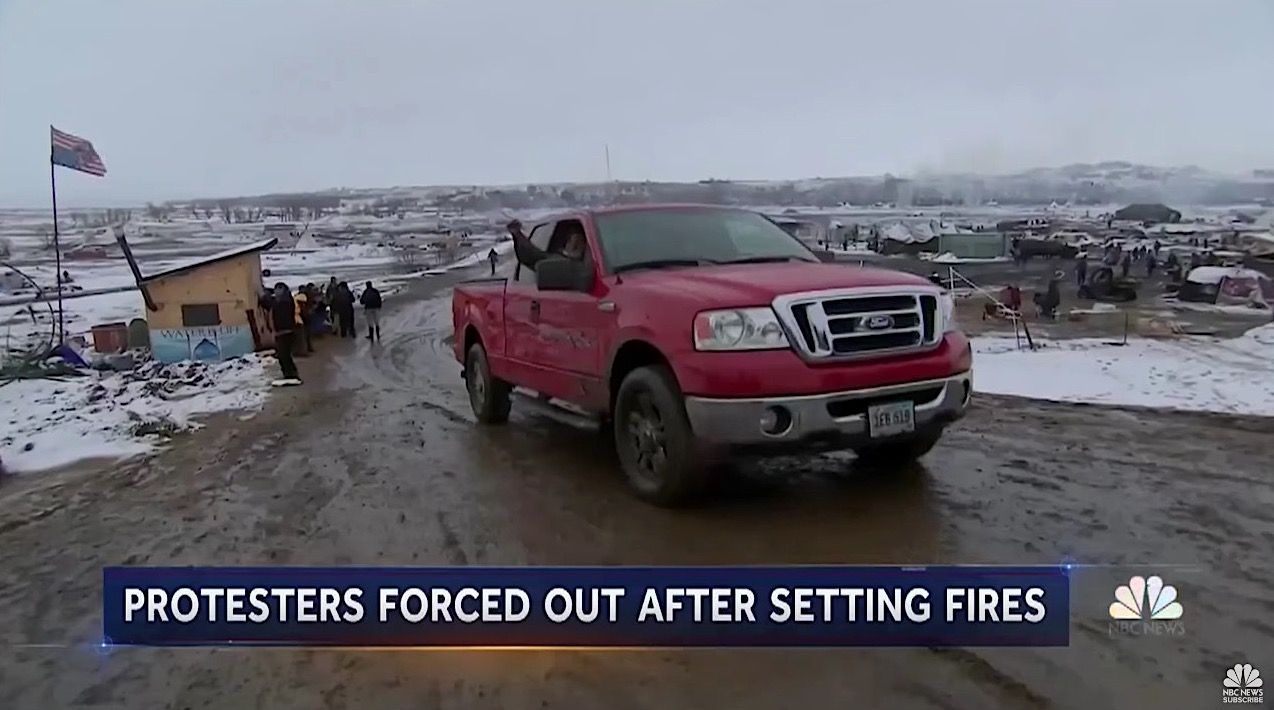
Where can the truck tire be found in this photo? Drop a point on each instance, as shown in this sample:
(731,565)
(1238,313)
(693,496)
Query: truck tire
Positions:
(653,438)
(488,396)
(897,454)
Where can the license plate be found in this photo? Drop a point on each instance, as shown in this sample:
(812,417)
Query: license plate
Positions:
(891,419)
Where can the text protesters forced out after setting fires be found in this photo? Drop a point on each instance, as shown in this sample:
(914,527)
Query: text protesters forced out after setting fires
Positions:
(487,605)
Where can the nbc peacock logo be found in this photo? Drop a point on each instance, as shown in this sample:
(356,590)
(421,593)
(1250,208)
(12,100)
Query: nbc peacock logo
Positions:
(1146,607)
(1145,598)
(1242,684)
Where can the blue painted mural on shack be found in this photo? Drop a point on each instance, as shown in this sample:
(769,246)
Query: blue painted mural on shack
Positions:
(206,344)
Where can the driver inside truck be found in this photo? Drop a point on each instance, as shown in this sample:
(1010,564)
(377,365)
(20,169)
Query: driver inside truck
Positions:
(572,241)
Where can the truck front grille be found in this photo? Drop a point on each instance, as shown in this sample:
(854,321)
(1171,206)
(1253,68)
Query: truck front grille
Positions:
(861,323)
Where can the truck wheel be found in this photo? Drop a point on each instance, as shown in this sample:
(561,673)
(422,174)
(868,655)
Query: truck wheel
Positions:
(488,396)
(896,454)
(654,440)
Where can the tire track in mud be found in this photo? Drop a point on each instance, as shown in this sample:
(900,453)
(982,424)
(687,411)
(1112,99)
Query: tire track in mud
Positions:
(983,671)
(1021,481)
(413,358)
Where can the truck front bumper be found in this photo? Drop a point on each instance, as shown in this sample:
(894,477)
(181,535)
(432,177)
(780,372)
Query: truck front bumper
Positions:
(832,420)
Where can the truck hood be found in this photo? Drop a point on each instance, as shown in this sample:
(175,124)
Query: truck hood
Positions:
(758,284)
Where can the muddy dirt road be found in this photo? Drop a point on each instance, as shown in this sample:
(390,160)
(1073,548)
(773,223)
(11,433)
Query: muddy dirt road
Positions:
(376,461)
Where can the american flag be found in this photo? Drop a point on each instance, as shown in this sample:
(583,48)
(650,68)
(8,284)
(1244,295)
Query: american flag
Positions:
(76,153)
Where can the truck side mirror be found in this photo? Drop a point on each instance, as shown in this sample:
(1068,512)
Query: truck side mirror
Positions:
(562,274)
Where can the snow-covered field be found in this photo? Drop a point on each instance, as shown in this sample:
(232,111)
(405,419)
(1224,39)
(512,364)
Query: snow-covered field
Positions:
(159,246)
(1199,374)
(50,423)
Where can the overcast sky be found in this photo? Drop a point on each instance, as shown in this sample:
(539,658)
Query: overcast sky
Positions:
(190,98)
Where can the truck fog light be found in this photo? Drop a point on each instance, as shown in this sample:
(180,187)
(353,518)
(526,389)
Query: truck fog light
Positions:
(776,420)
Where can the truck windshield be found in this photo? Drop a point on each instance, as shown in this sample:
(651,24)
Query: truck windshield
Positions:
(685,237)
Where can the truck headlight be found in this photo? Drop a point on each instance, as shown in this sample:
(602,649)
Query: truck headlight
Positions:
(946,306)
(739,329)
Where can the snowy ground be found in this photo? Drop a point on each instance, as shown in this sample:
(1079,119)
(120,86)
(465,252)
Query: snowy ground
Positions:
(53,423)
(949,258)
(478,257)
(353,262)
(1201,374)
(855,249)
(1231,309)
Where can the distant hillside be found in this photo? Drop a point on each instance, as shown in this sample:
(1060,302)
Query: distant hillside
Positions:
(1078,183)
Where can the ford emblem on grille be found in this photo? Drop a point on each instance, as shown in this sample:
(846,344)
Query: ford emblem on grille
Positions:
(879,322)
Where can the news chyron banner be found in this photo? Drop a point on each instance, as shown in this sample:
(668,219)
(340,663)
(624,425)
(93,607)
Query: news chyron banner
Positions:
(609,607)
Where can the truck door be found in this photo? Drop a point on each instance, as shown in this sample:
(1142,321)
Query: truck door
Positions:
(570,326)
(520,328)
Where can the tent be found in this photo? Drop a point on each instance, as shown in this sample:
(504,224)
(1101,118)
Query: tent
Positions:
(1144,212)
(306,242)
(1227,285)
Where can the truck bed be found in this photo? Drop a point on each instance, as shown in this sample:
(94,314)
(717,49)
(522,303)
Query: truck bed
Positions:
(477,307)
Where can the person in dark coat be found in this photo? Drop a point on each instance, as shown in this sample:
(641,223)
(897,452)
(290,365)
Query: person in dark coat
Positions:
(1125,264)
(1051,299)
(493,258)
(283,317)
(371,310)
(343,309)
(1151,263)
(1081,270)
(574,246)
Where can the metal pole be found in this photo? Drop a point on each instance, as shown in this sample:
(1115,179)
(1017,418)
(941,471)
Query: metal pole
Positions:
(57,248)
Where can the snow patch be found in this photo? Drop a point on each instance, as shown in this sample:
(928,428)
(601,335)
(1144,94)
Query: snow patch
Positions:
(947,257)
(54,423)
(1195,374)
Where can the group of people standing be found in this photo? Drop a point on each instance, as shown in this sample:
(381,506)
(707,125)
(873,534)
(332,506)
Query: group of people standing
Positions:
(298,317)
(1121,259)
(340,299)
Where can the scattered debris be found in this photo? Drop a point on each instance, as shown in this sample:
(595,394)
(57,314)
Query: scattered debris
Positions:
(54,420)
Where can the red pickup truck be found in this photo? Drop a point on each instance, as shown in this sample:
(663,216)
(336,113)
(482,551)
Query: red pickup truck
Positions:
(697,331)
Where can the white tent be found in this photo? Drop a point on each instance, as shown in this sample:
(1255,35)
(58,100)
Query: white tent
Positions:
(307,242)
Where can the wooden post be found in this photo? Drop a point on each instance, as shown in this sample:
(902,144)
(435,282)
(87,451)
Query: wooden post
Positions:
(132,264)
(57,247)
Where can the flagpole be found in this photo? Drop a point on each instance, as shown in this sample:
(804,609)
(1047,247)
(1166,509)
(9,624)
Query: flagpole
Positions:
(57,246)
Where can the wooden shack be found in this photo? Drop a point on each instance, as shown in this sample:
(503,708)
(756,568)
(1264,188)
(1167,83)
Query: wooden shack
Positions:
(209,309)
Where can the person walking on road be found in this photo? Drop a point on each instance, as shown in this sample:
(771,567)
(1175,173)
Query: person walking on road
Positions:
(493,258)
(1081,270)
(283,317)
(343,310)
(371,310)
